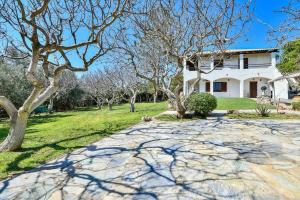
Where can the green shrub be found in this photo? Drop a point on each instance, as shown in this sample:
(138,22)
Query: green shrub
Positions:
(201,103)
(296,105)
(262,109)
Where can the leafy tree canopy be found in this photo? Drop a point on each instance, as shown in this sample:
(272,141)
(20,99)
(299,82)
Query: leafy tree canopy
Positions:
(290,61)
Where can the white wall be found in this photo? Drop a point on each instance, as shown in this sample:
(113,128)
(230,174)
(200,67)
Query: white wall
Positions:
(281,89)
(254,59)
(261,74)
(233,85)
(267,71)
(260,82)
(233,88)
(232,62)
(202,86)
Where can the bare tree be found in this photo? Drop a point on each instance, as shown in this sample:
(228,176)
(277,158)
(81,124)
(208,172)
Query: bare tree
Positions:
(142,61)
(68,34)
(172,31)
(65,95)
(91,83)
(286,34)
(289,28)
(132,85)
(104,86)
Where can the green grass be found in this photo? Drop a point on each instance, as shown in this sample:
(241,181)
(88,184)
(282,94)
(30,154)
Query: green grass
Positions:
(49,136)
(235,104)
(256,116)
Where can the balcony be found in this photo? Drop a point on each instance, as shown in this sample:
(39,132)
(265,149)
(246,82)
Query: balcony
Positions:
(228,66)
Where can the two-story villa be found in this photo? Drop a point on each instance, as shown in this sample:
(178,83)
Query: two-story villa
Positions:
(238,73)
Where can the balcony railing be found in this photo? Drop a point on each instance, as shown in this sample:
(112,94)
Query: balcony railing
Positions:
(249,66)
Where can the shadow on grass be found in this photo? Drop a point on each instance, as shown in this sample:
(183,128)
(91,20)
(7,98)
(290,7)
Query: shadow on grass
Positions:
(3,133)
(39,119)
(56,146)
(33,120)
(85,109)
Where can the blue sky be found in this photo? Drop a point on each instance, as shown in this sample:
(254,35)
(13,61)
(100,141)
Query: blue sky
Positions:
(256,36)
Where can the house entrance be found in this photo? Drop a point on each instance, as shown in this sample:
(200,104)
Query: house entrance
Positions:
(253,89)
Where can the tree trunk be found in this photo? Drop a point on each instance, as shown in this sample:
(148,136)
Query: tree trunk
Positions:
(171,99)
(132,107)
(50,105)
(147,97)
(176,102)
(155,94)
(16,134)
(99,103)
(99,106)
(109,106)
(171,105)
(19,118)
(179,108)
(132,102)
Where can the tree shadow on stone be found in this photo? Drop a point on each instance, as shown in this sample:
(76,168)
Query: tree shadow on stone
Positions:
(157,164)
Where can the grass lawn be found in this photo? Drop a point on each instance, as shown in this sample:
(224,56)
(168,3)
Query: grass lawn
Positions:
(49,136)
(235,104)
(256,116)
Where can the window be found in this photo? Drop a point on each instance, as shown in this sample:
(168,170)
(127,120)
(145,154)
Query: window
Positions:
(190,66)
(245,63)
(207,86)
(220,86)
(218,63)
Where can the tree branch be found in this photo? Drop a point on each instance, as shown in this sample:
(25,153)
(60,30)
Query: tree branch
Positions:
(8,106)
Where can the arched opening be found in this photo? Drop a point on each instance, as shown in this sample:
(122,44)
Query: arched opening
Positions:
(256,87)
(226,87)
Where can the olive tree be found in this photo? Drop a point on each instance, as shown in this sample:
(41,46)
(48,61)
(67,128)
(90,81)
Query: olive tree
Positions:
(66,34)
(13,82)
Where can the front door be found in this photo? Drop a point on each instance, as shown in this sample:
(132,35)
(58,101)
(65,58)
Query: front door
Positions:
(253,89)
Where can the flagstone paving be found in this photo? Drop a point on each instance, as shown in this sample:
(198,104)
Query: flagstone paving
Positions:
(204,159)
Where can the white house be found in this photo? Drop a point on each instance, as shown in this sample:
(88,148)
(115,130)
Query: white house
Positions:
(238,73)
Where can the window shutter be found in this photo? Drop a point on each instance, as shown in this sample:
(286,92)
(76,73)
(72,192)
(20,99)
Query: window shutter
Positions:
(246,63)
(224,86)
(207,86)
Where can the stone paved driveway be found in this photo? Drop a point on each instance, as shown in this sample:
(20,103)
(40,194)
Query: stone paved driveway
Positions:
(206,159)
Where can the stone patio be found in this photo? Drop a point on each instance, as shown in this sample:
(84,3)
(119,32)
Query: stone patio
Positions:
(203,159)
